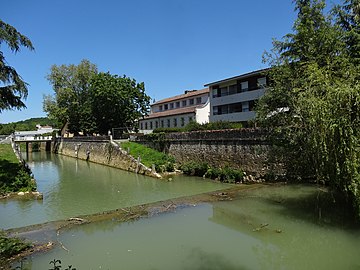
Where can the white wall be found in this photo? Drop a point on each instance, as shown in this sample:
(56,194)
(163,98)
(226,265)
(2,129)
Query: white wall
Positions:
(202,114)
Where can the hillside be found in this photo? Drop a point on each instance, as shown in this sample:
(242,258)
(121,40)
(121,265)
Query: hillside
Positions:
(29,124)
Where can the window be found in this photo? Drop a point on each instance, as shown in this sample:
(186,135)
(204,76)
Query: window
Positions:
(235,107)
(166,107)
(261,82)
(182,121)
(245,106)
(141,126)
(233,89)
(198,100)
(223,91)
(156,124)
(151,125)
(146,126)
(215,110)
(216,91)
(184,103)
(191,101)
(171,105)
(177,104)
(218,110)
(190,118)
(244,86)
(168,123)
(162,123)
(175,122)
(160,108)
(224,109)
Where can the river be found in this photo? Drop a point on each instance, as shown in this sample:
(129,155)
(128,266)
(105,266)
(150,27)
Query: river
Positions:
(272,227)
(74,187)
(268,228)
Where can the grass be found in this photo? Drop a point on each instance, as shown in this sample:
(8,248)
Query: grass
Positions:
(13,176)
(6,153)
(150,156)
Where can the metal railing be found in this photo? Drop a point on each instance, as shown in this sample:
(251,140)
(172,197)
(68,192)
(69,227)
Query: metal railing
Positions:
(32,138)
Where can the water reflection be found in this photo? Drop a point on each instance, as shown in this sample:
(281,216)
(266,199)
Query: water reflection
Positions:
(221,235)
(73,187)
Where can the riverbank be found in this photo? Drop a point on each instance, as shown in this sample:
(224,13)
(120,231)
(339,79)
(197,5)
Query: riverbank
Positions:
(14,176)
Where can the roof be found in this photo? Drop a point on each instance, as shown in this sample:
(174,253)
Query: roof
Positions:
(239,77)
(190,93)
(178,111)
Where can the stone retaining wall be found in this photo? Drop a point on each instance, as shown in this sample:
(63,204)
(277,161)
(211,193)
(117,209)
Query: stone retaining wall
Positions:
(101,152)
(245,149)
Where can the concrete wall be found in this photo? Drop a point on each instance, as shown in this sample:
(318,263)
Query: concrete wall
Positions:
(246,149)
(101,152)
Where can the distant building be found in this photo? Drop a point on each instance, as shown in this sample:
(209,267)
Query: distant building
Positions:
(33,134)
(177,111)
(233,99)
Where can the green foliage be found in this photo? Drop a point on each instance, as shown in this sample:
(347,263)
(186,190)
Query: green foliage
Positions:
(166,130)
(116,101)
(226,174)
(194,168)
(11,246)
(347,17)
(71,85)
(93,102)
(13,89)
(194,126)
(13,176)
(29,124)
(313,107)
(56,265)
(162,162)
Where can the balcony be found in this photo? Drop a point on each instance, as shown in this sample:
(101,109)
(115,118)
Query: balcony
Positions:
(233,117)
(238,97)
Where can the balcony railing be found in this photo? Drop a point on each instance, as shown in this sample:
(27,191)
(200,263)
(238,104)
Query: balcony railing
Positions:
(242,91)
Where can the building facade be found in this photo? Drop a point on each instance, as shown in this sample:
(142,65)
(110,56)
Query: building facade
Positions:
(177,111)
(233,99)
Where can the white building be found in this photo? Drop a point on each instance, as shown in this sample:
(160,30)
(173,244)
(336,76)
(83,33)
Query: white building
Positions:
(177,111)
(233,99)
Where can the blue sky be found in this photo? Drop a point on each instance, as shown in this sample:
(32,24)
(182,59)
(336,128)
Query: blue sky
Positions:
(170,45)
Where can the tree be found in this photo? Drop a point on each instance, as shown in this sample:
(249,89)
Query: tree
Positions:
(14,89)
(348,18)
(313,107)
(117,101)
(71,85)
(94,102)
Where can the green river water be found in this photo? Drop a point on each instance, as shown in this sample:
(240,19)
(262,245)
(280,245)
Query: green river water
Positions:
(273,227)
(74,187)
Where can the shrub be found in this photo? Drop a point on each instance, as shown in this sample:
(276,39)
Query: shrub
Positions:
(167,130)
(194,126)
(23,182)
(11,246)
(226,174)
(194,169)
